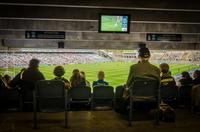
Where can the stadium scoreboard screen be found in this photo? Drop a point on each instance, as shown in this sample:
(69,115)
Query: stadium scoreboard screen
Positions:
(163,37)
(114,23)
(44,35)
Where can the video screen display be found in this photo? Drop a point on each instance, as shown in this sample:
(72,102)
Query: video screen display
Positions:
(114,23)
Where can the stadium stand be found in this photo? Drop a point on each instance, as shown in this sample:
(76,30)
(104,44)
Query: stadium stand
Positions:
(19,59)
(157,55)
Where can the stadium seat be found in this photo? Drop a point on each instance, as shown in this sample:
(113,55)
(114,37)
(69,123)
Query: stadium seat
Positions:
(26,97)
(184,95)
(144,90)
(118,95)
(102,96)
(9,98)
(80,95)
(169,94)
(50,96)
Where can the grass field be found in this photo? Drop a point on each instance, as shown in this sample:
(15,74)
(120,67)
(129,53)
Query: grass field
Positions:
(116,72)
(109,24)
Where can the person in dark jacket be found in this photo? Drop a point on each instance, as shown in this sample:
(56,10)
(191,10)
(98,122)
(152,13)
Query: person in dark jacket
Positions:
(32,74)
(84,77)
(59,72)
(186,79)
(196,76)
(166,78)
(17,80)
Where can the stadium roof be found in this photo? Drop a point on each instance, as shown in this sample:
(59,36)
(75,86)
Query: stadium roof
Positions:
(79,20)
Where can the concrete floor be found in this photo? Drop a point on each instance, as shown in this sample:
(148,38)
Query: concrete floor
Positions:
(96,121)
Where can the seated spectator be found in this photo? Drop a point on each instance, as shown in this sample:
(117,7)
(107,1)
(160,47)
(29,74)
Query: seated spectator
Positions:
(166,78)
(17,80)
(59,71)
(5,80)
(84,77)
(77,80)
(100,81)
(196,76)
(143,69)
(32,74)
(186,79)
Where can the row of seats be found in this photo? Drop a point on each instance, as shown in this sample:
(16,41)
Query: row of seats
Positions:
(104,93)
(143,90)
(51,96)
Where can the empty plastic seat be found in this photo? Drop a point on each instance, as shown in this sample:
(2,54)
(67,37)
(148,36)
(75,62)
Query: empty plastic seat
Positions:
(9,98)
(80,95)
(144,90)
(102,96)
(184,95)
(169,94)
(50,96)
(118,95)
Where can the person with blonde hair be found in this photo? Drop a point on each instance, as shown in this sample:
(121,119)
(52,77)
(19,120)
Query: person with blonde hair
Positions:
(100,81)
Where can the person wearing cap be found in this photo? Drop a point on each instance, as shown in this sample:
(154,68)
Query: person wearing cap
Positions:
(32,74)
(143,69)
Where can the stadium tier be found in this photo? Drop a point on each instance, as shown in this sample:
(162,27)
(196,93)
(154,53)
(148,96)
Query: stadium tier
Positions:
(92,61)
(158,56)
(19,59)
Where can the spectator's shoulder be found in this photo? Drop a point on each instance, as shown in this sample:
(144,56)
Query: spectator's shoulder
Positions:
(94,82)
(106,83)
(155,67)
(134,66)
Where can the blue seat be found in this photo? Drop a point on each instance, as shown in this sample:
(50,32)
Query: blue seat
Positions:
(102,96)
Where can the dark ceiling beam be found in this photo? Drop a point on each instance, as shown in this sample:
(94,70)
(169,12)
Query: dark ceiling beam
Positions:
(181,5)
(92,36)
(92,26)
(93,14)
(98,45)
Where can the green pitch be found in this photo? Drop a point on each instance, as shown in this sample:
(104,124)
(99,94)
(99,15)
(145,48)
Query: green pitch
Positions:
(116,72)
(109,23)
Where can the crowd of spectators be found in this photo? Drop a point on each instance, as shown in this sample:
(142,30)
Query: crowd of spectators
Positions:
(21,59)
(165,56)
